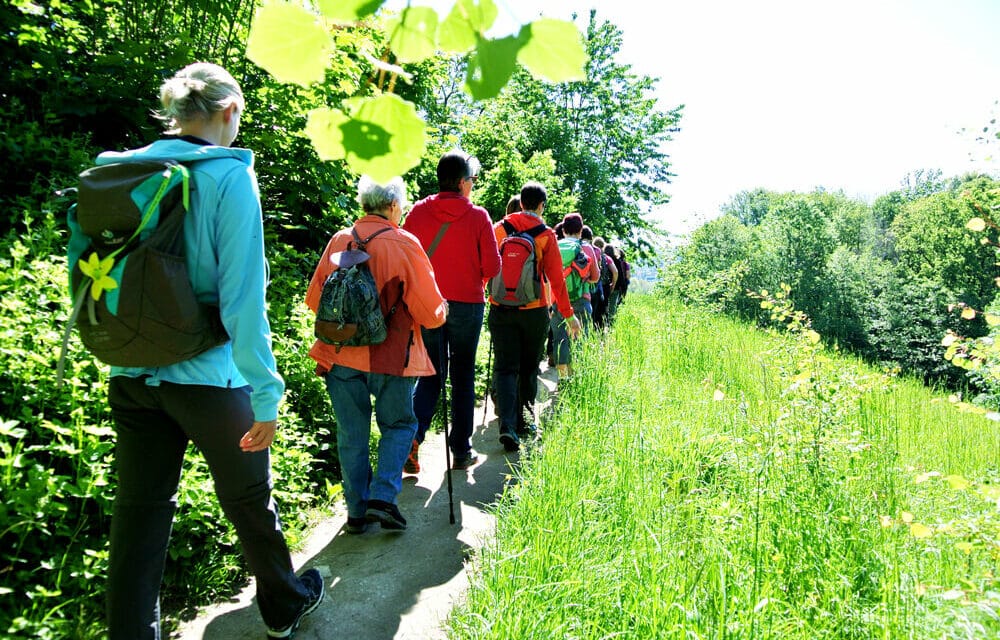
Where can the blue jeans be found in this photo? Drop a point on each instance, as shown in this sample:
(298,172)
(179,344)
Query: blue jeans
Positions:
(153,427)
(351,393)
(457,341)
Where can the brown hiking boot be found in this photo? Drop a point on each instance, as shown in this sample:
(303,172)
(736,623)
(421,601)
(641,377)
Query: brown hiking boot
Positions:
(412,464)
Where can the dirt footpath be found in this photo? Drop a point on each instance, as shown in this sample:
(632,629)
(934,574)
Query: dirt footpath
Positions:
(385,585)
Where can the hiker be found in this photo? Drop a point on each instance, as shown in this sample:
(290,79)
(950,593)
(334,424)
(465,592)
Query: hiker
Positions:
(410,299)
(614,253)
(519,326)
(458,237)
(593,292)
(513,205)
(625,277)
(609,276)
(579,271)
(224,400)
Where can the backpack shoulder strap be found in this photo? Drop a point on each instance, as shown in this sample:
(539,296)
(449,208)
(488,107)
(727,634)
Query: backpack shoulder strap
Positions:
(535,231)
(364,243)
(508,227)
(437,239)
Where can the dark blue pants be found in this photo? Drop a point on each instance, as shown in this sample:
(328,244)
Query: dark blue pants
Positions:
(452,348)
(518,340)
(153,427)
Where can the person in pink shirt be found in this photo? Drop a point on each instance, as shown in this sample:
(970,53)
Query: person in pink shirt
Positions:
(595,292)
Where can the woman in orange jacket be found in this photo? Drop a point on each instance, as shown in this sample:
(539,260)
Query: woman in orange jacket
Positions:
(387,371)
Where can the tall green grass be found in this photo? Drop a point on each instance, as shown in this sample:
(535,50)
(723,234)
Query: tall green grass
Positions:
(702,479)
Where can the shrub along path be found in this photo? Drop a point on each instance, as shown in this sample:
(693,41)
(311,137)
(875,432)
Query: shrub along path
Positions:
(383,585)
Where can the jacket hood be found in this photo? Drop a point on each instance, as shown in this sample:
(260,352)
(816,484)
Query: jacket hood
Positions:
(179,150)
(448,206)
(523,221)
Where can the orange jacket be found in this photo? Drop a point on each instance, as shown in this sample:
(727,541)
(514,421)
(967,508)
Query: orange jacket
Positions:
(550,262)
(401,271)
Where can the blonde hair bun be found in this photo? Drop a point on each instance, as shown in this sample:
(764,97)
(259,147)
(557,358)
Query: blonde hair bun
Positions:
(197,91)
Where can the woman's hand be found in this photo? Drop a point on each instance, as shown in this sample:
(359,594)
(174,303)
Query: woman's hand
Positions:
(259,437)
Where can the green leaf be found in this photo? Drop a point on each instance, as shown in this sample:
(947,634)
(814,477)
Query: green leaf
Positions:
(413,34)
(554,51)
(465,21)
(288,42)
(491,66)
(348,10)
(323,126)
(384,138)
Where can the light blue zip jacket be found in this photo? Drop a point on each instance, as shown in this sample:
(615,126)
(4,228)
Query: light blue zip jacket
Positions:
(224,233)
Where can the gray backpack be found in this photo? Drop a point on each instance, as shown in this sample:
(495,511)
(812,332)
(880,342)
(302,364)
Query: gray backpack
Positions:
(349,312)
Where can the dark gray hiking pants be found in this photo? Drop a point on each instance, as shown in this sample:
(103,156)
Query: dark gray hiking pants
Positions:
(153,426)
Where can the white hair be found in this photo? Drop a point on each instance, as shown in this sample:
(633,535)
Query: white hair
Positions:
(376,198)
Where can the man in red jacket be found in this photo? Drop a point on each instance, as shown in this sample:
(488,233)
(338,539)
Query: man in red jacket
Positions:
(519,332)
(458,237)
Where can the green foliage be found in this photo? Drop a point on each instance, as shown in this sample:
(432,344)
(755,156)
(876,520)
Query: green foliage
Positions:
(711,270)
(506,178)
(881,280)
(931,243)
(742,485)
(291,42)
(605,133)
(56,453)
(750,207)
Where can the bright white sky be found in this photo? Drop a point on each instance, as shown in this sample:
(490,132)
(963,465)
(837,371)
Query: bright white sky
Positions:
(794,94)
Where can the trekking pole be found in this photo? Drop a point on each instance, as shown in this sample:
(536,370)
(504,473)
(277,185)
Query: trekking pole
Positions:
(489,380)
(442,354)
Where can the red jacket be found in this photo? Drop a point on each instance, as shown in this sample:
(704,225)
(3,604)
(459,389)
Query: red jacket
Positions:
(397,263)
(467,254)
(550,262)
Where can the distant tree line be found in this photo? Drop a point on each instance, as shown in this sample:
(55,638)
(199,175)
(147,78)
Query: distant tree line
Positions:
(885,281)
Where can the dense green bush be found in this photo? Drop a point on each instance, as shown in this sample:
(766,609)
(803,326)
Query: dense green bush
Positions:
(56,452)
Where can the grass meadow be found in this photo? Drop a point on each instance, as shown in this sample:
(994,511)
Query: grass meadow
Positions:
(699,478)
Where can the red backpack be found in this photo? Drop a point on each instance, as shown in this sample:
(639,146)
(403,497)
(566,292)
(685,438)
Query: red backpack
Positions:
(519,281)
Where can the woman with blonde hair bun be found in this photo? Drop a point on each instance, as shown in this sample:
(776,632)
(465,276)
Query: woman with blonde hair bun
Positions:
(225,399)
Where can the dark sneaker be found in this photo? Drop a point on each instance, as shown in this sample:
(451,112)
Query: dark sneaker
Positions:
(355,526)
(412,464)
(509,441)
(386,514)
(314,585)
(465,460)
